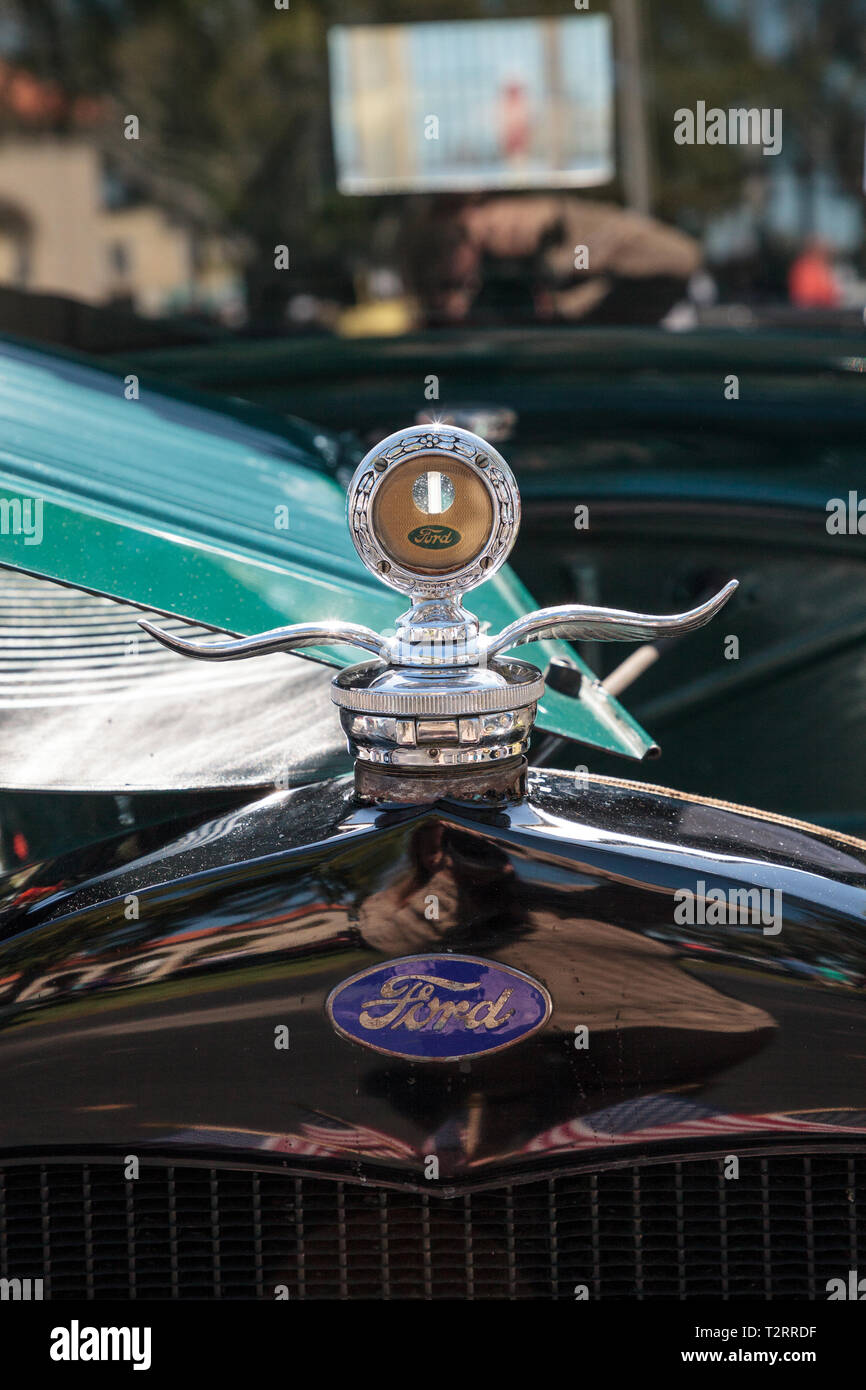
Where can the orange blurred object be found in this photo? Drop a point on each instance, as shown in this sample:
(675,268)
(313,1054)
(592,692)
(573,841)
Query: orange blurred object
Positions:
(812,283)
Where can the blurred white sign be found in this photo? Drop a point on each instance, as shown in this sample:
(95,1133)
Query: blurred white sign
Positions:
(516,103)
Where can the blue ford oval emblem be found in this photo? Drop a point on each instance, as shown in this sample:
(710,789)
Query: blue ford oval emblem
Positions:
(439,1008)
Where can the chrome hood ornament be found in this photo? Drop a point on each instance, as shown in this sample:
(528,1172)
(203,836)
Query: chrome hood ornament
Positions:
(433,512)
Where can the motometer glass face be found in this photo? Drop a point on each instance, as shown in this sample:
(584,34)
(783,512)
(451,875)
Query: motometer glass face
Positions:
(433,512)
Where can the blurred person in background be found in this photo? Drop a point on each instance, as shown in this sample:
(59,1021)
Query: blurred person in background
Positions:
(544,257)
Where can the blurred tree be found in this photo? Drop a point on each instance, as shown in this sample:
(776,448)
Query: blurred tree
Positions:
(233,104)
(804,56)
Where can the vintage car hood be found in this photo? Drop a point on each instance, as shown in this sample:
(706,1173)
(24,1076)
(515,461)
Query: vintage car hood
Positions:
(244,924)
(200,513)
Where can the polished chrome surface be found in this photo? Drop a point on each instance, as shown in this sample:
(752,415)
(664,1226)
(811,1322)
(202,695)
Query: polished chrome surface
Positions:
(375,688)
(437,682)
(579,623)
(435,634)
(410,717)
(281,639)
(450,445)
(444,744)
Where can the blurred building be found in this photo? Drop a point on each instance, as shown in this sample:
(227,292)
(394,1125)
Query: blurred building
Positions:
(58,236)
(68,228)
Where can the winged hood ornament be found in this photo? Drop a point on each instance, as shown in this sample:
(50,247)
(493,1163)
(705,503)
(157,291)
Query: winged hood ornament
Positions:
(433,513)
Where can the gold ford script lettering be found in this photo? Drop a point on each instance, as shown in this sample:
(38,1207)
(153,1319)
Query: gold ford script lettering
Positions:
(410,1001)
(434,537)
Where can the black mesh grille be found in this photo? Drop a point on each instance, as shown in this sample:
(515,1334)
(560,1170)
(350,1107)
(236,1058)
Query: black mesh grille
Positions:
(665,1229)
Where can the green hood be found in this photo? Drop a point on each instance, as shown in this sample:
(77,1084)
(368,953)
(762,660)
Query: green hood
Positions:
(221,516)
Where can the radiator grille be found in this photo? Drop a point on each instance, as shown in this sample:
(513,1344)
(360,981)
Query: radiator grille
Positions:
(652,1230)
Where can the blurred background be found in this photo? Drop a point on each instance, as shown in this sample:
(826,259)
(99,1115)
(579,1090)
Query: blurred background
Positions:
(423,164)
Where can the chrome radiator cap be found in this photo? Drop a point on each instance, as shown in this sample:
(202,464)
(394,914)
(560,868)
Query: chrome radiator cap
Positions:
(433,512)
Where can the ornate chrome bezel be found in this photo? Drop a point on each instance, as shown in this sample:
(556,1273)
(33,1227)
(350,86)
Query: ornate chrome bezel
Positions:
(447,442)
